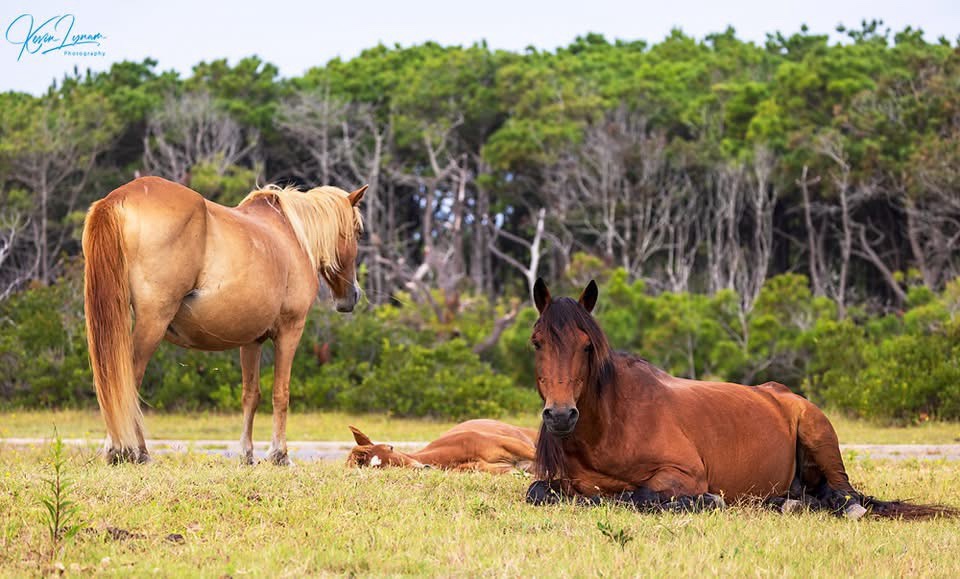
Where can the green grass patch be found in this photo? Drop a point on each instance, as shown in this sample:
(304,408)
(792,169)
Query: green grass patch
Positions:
(333,426)
(194,515)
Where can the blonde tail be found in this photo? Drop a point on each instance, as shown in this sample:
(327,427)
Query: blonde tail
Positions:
(109,338)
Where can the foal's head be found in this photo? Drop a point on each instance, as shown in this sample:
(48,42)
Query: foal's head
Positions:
(572,355)
(366,453)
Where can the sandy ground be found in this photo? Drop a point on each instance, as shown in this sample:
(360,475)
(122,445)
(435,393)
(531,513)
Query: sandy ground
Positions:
(310,451)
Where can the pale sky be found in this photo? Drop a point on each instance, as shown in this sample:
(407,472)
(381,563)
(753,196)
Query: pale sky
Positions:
(298,35)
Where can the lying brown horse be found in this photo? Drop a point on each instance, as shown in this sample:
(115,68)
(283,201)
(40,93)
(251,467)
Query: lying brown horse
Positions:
(616,426)
(484,445)
(208,277)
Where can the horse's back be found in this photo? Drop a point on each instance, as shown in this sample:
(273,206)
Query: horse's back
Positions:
(489,427)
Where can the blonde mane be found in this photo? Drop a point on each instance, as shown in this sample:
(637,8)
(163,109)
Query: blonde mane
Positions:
(319,217)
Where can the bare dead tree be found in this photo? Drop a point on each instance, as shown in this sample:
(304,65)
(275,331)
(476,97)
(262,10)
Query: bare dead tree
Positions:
(500,324)
(684,231)
(17,263)
(62,143)
(760,200)
(317,122)
(533,248)
(816,260)
(191,129)
(831,146)
(721,216)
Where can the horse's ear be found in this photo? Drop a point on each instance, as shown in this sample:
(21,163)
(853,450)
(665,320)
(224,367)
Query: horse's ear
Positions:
(541,295)
(588,299)
(361,438)
(357,195)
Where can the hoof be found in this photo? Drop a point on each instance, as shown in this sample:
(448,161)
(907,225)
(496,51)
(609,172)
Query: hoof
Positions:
(124,455)
(710,501)
(279,458)
(247,459)
(542,492)
(790,505)
(704,502)
(854,511)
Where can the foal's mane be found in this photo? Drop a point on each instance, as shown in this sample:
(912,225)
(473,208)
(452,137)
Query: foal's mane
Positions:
(558,318)
(319,218)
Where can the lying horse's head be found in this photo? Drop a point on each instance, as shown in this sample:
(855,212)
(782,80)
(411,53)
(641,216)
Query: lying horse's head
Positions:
(366,453)
(572,355)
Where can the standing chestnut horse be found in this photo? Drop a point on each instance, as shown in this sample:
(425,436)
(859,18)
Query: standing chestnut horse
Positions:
(485,445)
(616,426)
(208,277)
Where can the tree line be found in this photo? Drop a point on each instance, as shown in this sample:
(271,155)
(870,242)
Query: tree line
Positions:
(694,165)
(753,206)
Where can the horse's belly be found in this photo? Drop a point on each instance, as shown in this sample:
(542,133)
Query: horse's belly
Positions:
(215,322)
(762,473)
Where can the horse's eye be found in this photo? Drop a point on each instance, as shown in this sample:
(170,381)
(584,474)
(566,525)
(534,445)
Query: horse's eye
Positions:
(588,348)
(536,344)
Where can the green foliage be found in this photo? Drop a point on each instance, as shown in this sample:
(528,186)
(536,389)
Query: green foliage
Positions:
(617,536)
(43,350)
(60,510)
(905,369)
(447,380)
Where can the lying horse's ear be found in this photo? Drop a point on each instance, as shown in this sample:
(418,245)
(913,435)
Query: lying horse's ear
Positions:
(541,295)
(588,299)
(361,438)
(357,195)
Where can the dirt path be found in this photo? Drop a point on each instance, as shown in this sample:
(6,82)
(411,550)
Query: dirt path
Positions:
(309,451)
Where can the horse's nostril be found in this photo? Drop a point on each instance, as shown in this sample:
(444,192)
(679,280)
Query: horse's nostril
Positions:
(574,414)
(547,413)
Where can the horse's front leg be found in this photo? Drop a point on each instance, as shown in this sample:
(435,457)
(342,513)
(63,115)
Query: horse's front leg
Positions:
(285,346)
(543,492)
(250,368)
(671,489)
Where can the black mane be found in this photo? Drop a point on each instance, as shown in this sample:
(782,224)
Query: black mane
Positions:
(557,319)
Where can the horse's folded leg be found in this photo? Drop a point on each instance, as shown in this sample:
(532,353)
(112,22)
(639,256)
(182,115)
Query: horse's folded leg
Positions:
(543,492)
(783,504)
(711,501)
(704,502)
(644,499)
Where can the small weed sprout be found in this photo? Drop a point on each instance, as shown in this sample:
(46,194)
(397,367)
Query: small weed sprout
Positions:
(619,536)
(60,512)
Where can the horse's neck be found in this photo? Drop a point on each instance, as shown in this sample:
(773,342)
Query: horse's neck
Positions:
(604,411)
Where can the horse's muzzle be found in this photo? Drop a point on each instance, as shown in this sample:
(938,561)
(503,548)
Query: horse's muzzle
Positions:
(346,305)
(560,420)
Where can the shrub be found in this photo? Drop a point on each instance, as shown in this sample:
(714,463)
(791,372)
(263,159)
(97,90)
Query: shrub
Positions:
(447,380)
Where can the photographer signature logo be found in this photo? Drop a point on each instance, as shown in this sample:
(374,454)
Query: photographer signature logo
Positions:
(56,35)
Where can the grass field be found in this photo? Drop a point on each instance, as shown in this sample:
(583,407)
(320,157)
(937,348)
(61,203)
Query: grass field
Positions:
(333,426)
(323,518)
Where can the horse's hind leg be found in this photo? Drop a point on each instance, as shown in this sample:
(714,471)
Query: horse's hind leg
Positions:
(150,325)
(826,477)
(250,365)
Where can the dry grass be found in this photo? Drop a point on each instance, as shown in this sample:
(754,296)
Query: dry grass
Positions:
(323,518)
